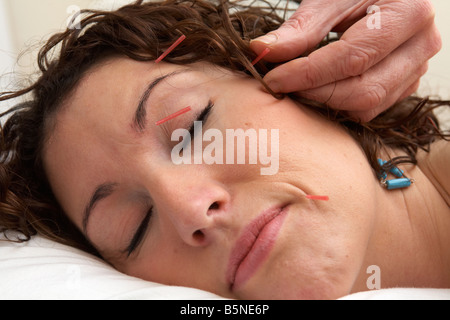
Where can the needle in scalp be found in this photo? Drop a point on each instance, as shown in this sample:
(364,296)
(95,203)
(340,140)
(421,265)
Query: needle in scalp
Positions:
(171,48)
(165,54)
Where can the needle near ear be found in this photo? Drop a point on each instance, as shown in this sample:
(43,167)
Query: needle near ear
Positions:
(262,55)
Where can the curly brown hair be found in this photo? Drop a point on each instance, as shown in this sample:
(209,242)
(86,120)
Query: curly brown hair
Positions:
(142,31)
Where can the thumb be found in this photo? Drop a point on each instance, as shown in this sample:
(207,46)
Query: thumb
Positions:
(309,25)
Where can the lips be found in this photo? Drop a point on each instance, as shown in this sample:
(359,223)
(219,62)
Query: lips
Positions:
(254,246)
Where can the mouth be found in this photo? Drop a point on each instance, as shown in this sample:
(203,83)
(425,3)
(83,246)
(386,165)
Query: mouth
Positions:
(254,245)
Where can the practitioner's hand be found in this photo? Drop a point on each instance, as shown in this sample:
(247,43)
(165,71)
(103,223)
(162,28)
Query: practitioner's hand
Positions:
(379,59)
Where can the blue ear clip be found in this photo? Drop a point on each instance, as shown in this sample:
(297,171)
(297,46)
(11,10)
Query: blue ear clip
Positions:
(401,182)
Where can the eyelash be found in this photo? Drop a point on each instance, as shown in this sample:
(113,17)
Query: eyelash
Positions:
(202,117)
(137,238)
(139,235)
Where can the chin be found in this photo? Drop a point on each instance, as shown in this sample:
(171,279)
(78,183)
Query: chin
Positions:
(291,288)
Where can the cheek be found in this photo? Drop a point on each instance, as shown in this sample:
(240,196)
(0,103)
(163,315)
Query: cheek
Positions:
(171,263)
(329,241)
(155,262)
(243,104)
(322,156)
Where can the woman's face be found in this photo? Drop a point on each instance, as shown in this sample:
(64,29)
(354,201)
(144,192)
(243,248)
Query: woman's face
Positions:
(225,228)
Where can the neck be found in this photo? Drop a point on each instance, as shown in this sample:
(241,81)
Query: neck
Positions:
(410,242)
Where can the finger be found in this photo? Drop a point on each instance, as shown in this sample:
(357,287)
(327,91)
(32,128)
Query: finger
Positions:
(368,115)
(307,27)
(359,49)
(366,105)
(360,94)
(411,90)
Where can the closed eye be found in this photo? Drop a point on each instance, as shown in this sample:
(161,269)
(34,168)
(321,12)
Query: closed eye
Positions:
(202,117)
(139,235)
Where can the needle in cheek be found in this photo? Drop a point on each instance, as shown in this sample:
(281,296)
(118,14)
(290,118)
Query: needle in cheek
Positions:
(321,198)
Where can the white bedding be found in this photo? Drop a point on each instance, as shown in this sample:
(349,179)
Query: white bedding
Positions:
(42,269)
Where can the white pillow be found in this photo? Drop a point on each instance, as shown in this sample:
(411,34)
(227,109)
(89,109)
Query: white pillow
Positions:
(401,294)
(42,269)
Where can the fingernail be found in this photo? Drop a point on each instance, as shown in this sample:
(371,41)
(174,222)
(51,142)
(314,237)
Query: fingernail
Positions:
(268,39)
(274,86)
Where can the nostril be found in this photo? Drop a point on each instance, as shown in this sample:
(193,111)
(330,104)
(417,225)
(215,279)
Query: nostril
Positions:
(214,206)
(198,236)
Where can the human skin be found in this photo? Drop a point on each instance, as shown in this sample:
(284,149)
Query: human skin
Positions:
(201,213)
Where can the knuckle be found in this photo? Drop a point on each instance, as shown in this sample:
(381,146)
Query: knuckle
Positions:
(370,97)
(310,76)
(369,115)
(434,41)
(358,61)
(423,10)
(295,24)
(414,87)
(423,69)
(292,23)
(299,21)
(375,95)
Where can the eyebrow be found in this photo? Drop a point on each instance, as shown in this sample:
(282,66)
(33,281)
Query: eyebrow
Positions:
(139,121)
(101,192)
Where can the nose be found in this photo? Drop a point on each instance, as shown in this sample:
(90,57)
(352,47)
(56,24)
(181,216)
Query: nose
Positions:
(193,207)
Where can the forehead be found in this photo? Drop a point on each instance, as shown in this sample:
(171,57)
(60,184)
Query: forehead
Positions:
(103,91)
(96,110)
